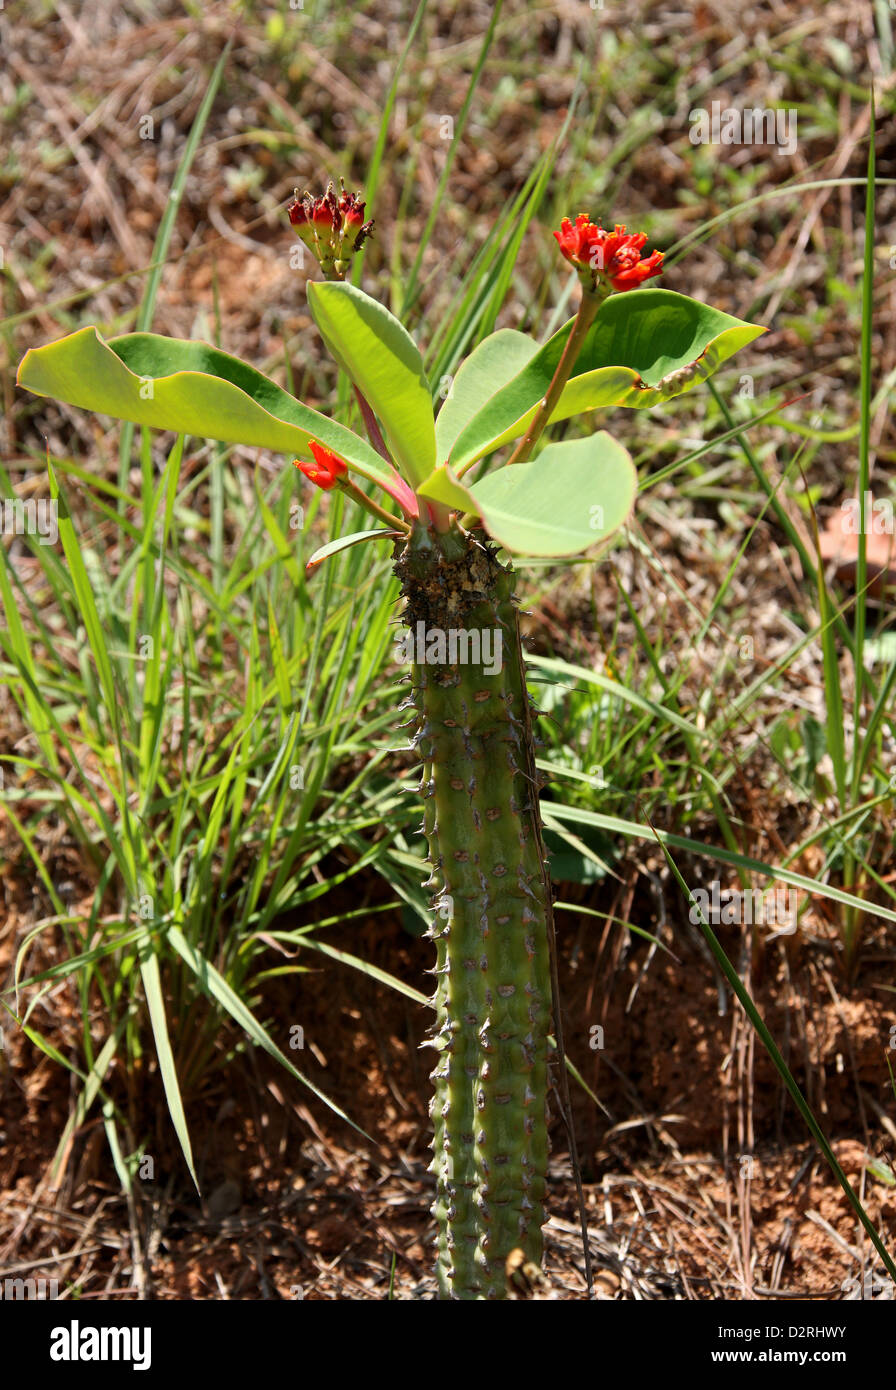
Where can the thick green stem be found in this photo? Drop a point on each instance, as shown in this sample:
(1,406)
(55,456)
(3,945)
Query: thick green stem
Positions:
(491,901)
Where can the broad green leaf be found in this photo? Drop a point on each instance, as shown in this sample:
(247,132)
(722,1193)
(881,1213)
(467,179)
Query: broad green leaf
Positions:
(383,361)
(189,387)
(343,543)
(444,486)
(643,348)
(572,497)
(490,366)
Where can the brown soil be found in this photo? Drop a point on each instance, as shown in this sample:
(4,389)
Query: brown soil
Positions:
(700,1179)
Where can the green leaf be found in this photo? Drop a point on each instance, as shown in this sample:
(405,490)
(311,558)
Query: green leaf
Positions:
(152,986)
(643,348)
(572,497)
(343,543)
(92,1083)
(443,485)
(490,366)
(382,360)
(366,968)
(189,387)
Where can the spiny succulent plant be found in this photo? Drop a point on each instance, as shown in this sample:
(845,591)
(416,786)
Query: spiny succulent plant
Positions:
(470,714)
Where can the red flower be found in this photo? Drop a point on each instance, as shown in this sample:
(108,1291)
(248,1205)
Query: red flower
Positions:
(615,256)
(330,226)
(322,215)
(326,468)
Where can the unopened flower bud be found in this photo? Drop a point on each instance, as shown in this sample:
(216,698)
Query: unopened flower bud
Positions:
(326,469)
(330,226)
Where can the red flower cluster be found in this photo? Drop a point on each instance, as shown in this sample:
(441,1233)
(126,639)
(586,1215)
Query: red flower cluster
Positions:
(331,226)
(326,468)
(614,255)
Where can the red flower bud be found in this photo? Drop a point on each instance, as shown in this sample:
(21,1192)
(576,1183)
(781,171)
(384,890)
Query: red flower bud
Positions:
(332,227)
(325,470)
(315,474)
(327,459)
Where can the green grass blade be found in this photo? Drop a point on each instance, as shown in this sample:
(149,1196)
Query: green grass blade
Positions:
(155,1003)
(864,459)
(215,986)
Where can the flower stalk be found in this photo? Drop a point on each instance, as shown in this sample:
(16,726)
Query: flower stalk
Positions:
(588,307)
(369,504)
(606,262)
(328,471)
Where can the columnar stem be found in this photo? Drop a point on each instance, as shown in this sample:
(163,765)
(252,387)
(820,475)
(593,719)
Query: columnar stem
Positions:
(491,902)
